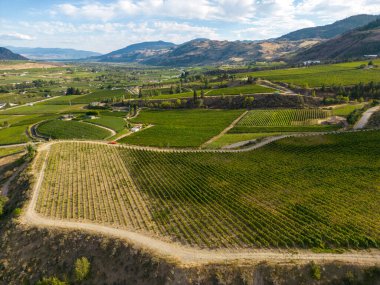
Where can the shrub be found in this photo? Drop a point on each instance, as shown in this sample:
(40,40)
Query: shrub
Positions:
(82,269)
(315,271)
(17,212)
(92,113)
(51,281)
(3,200)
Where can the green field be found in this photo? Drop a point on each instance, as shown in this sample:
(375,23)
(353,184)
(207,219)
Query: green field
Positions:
(310,192)
(58,129)
(180,128)
(231,138)
(115,123)
(40,108)
(13,135)
(345,110)
(316,76)
(11,150)
(245,89)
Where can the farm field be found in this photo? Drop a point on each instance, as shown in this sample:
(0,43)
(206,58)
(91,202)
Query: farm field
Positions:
(115,123)
(346,109)
(13,135)
(11,150)
(231,138)
(245,89)
(316,76)
(40,108)
(310,192)
(58,129)
(180,128)
(282,120)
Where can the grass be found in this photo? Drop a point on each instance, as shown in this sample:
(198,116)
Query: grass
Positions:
(316,76)
(42,109)
(245,89)
(58,129)
(115,123)
(345,110)
(13,135)
(305,192)
(180,128)
(11,150)
(229,138)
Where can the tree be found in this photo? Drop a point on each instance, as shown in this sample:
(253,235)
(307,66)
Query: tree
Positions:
(82,269)
(370,63)
(195,95)
(140,92)
(202,94)
(313,94)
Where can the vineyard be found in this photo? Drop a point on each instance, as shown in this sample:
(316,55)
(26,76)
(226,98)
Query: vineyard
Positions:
(58,129)
(282,120)
(319,191)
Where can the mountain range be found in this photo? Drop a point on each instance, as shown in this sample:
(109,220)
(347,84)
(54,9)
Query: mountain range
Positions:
(52,53)
(358,42)
(348,38)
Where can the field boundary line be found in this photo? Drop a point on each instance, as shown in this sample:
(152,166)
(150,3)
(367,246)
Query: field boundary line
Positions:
(225,130)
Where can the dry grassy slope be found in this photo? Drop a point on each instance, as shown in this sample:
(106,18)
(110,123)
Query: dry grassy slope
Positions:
(28,254)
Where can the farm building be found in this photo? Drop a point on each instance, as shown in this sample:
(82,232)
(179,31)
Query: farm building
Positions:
(66,117)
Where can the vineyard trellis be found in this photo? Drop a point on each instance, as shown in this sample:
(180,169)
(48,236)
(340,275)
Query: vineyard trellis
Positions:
(299,192)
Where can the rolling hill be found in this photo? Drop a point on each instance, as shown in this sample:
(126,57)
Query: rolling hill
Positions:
(136,52)
(331,30)
(354,44)
(6,54)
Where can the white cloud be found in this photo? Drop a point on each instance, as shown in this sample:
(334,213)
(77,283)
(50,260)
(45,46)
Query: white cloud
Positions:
(15,36)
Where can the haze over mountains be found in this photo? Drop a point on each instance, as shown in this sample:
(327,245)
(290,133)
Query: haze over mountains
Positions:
(338,40)
(52,53)
(6,54)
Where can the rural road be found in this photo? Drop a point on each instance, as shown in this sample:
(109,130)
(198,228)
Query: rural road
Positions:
(363,121)
(187,255)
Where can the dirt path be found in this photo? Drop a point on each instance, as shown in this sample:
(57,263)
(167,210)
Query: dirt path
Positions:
(269,84)
(5,188)
(186,255)
(225,130)
(363,121)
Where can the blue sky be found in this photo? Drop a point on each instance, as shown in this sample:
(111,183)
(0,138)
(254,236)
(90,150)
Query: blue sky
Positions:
(106,25)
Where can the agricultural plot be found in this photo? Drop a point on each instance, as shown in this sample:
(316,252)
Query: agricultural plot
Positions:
(40,108)
(180,128)
(316,76)
(13,135)
(58,129)
(245,89)
(115,123)
(345,110)
(228,139)
(11,150)
(319,191)
(282,120)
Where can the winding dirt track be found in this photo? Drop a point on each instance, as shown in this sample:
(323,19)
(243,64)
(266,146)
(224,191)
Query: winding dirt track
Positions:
(184,255)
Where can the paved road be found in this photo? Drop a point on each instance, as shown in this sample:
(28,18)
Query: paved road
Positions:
(363,121)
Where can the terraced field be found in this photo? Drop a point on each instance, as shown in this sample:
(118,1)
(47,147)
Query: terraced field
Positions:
(288,120)
(318,191)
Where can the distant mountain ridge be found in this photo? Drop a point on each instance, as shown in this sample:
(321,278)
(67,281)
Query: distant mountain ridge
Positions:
(52,53)
(354,44)
(136,52)
(331,30)
(6,54)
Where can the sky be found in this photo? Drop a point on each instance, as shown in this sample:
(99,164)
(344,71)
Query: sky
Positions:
(107,25)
